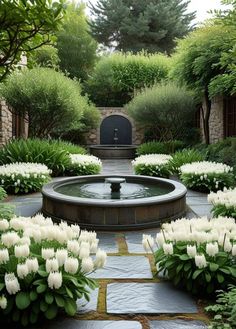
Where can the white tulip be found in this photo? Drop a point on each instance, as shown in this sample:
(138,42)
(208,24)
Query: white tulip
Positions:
(9,239)
(212,249)
(3,302)
(73,246)
(61,256)
(200,261)
(4,256)
(22,270)
(47,253)
(12,283)
(87,265)
(32,264)
(84,252)
(147,242)
(52,265)
(71,265)
(168,248)
(55,280)
(101,258)
(4,225)
(22,250)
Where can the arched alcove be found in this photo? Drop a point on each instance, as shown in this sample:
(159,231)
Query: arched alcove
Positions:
(116,129)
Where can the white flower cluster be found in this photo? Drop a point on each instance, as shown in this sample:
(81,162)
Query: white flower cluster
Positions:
(214,235)
(85,160)
(72,256)
(24,169)
(204,168)
(152,159)
(226,198)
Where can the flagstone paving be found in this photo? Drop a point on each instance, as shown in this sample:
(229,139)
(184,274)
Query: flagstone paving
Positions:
(130,295)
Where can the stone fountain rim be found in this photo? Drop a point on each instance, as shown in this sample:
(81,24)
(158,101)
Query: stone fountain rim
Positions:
(49,192)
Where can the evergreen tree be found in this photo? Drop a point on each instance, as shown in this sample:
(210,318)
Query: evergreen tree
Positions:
(133,25)
(76,47)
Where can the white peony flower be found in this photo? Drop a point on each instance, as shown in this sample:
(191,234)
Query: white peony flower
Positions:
(61,256)
(4,256)
(22,270)
(32,264)
(87,265)
(22,250)
(12,283)
(101,258)
(3,302)
(4,225)
(55,280)
(52,265)
(47,253)
(168,248)
(71,265)
(200,261)
(212,249)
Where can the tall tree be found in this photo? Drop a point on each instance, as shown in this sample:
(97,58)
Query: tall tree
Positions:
(76,47)
(133,25)
(25,26)
(200,59)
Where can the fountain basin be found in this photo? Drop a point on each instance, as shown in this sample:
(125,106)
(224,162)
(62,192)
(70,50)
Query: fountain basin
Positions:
(114,214)
(113,151)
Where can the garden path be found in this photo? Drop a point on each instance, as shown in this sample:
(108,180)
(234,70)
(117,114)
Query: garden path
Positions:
(130,294)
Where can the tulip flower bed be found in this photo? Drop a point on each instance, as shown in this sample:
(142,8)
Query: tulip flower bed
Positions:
(224,203)
(23,177)
(82,164)
(44,268)
(152,165)
(207,176)
(198,254)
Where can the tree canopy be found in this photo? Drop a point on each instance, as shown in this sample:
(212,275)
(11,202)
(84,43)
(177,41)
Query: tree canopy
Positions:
(76,47)
(25,26)
(133,25)
(199,60)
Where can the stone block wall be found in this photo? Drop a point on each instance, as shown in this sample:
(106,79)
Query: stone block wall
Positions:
(5,123)
(93,136)
(216,121)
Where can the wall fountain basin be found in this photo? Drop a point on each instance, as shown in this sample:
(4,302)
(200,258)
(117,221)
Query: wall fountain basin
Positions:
(91,202)
(113,151)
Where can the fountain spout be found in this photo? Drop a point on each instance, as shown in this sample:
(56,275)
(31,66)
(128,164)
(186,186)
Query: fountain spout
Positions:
(115,183)
(115,138)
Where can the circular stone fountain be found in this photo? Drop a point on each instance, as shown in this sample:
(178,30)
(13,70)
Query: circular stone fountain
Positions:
(93,203)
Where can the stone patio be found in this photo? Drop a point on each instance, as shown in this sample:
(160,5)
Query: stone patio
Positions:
(130,295)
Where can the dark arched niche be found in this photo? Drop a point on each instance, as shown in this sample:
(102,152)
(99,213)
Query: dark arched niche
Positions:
(116,129)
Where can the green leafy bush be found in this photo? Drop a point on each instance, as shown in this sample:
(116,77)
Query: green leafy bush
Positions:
(51,101)
(155,147)
(223,151)
(166,109)
(117,77)
(6,211)
(185,156)
(24,177)
(207,176)
(197,254)
(83,165)
(224,310)
(224,203)
(52,153)
(152,165)
(44,268)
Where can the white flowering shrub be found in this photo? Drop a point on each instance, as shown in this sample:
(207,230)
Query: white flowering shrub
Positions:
(224,202)
(23,177)
(207,176)
(152,165)
(82,164)
(197,254)
(44,267)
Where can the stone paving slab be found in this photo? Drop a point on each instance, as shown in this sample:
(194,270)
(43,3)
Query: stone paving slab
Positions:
(107,242)
(177,324)
(90,324)
(83,306)
(148,298)
(197,201)
(27,209)
(124,267)
(202,210)
(134,240)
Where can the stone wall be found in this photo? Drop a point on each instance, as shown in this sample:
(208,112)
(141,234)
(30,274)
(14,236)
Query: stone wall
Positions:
(5,123)
(216,121)
(93,136)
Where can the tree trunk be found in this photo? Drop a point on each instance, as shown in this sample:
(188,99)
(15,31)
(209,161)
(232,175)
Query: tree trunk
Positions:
(206,116)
